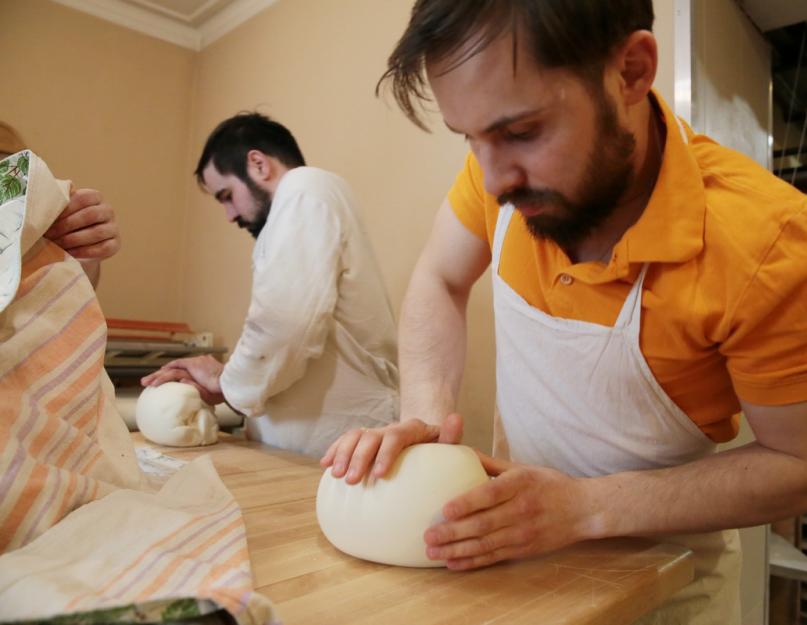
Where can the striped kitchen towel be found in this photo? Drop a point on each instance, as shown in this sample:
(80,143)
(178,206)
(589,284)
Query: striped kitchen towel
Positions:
(79,531)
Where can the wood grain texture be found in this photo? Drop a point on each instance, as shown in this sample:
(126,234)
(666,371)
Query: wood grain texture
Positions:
(610,582)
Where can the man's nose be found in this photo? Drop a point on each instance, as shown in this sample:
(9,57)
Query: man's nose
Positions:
(501,173)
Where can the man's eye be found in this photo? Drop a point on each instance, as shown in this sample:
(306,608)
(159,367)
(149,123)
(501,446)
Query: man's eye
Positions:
(520,135)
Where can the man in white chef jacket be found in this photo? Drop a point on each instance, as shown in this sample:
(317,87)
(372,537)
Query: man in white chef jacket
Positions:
(317,353)
(648,284)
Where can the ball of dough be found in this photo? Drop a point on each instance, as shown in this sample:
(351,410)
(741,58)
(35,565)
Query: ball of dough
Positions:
(383,519)
(174,414)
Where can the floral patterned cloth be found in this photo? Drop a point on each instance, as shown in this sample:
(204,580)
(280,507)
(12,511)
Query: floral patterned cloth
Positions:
(13,185)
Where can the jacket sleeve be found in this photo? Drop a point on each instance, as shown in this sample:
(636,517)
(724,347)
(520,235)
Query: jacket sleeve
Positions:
(294,292)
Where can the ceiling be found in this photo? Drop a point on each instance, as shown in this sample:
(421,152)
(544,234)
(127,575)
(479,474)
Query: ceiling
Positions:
(784,25)
(789,74)
(772,14)
(188,23)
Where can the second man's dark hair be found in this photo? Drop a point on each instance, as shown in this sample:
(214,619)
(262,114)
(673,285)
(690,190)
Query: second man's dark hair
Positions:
(228,145)
(574,34)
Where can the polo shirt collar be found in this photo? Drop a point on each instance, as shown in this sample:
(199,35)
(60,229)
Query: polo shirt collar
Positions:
(671,228)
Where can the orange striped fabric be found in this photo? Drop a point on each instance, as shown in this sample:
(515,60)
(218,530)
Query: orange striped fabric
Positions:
(61,443)
(186,543)
(78,531)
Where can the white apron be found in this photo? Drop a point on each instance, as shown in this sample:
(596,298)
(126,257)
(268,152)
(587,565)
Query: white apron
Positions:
(579,397)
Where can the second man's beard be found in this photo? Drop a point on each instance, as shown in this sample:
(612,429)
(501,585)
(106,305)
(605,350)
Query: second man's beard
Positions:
(263,200)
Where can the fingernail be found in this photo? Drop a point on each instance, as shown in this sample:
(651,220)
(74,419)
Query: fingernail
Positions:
(433,553)
(339,467)
(352,474)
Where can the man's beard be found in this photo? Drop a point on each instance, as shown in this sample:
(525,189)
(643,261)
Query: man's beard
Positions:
(263,200)
(606,178)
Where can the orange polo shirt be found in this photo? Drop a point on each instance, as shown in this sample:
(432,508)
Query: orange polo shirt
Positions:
(724,303)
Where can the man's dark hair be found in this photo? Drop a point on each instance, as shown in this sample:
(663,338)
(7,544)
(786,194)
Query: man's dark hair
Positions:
(228,145)
(575,34)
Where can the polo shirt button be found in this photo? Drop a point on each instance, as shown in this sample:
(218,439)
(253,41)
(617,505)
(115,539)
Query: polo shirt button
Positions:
(566,279)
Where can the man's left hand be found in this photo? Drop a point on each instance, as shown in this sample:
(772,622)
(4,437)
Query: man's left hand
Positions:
(524,511)
(86,229)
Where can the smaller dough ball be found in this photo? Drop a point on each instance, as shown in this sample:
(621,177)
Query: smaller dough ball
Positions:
(174,414)
(384,519)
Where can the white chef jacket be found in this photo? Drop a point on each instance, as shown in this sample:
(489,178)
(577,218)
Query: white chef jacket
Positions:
(317,354)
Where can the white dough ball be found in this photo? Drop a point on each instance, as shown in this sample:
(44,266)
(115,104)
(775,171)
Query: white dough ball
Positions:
(383,519)
(174,414)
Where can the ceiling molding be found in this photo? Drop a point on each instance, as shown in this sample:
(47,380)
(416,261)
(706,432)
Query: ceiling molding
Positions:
(156,23)
(230,18)
(140,20)
(177,15)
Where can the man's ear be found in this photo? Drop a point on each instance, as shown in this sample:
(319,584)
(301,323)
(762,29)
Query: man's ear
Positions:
(636,61)
(260,166)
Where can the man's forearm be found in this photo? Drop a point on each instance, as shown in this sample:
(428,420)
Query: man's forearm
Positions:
(747,486)
(431,348)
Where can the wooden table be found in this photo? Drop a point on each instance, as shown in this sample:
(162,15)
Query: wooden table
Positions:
(609,582)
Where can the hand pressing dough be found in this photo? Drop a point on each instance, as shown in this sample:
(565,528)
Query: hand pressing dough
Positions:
(174,414)
(384,519)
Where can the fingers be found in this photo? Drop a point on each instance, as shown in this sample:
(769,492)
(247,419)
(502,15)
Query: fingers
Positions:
(507,537)
(147,379)
(179,363)
(340,452)
(173,371)
(330,453)
(177,373)
(86,229)
(482,497)
(408,433)
(493,466)
(356,451)
(77,218)
(97,251)
(90,235)
(486,558)
(82,198)
(364,454)
(494,534)
(451,430)
(165,375)
(474,526)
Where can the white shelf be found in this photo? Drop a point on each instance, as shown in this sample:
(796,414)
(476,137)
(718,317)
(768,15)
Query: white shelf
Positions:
(785,560)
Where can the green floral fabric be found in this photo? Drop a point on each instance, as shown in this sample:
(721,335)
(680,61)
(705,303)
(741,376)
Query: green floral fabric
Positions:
(14,176)
(167,611)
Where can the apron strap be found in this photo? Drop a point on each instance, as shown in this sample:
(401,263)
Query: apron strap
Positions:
(631,313)
(502,222)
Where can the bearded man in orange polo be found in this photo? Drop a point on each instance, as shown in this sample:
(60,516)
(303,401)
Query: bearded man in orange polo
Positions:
(648,284)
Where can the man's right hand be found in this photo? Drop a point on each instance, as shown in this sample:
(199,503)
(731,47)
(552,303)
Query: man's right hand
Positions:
(203,372)
(354,452)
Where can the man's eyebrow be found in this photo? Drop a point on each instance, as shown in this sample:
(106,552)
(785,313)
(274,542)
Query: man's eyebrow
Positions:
(502,121)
